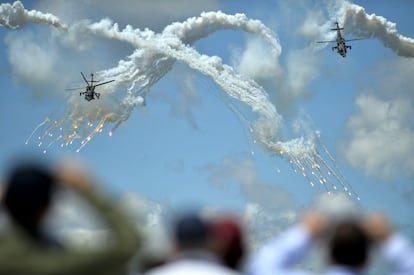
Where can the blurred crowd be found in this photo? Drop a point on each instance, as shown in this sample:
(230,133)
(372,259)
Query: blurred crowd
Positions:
(199,245)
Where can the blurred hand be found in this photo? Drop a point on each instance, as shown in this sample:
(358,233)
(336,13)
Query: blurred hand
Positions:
(72,174)
(316,223)
(377,227)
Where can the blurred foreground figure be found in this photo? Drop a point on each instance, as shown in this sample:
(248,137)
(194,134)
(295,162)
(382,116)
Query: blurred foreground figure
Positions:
(24,246)
(349,242)
(193,254)
(227,241)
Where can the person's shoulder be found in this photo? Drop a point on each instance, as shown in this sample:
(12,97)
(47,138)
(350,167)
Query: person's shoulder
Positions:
(184,267)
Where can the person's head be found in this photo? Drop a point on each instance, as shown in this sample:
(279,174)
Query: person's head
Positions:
(349,245)
(227,240)
(190,232)
(27,193)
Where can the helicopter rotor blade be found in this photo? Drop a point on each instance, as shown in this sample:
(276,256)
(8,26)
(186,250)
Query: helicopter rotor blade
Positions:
(84,78)
(73,89)
(104,83)
(327,41)
(354,39)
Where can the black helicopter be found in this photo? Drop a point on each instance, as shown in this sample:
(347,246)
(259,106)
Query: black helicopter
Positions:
(341,46)
(89,92)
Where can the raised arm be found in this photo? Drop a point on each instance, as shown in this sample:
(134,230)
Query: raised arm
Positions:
(396,249)
(20,255)
(280,255)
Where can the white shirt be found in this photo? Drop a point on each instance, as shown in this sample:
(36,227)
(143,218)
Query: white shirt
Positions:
(206,264)
(279,256)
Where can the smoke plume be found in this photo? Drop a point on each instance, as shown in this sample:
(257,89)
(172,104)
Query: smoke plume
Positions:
(15,16)
(358,22)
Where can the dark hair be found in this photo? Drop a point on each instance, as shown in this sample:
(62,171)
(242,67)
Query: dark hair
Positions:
(28,192)
(190,231)
(349,245)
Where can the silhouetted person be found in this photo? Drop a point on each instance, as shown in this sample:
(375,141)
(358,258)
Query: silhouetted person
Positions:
(26,249)
(26,199)
(192,254)
(348,246)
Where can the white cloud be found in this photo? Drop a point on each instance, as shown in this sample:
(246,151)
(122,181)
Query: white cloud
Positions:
(286,83)
(311,27)
(302,68)
(257,61)
(29,60)
(381,137)
(381,131)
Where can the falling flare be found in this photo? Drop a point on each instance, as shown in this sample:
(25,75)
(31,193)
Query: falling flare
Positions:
(37,128)
(154,56)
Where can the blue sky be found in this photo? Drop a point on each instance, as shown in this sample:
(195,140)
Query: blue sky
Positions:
(190,144)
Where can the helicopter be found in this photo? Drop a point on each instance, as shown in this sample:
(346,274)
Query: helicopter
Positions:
(90,93)
(341,45)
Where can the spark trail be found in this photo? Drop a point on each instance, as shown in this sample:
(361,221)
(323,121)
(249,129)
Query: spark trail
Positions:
(153,57)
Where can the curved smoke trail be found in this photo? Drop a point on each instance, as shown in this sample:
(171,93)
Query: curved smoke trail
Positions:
(15,16)
(358,22)
(154,56)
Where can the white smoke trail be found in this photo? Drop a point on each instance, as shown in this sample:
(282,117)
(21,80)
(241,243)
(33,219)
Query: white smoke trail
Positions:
(154,56)
(197,27)
(358,22)
(15,16)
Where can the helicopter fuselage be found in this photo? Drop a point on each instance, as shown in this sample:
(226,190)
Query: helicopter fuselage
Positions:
(90,93)
(340,43)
